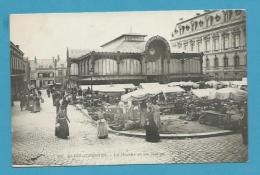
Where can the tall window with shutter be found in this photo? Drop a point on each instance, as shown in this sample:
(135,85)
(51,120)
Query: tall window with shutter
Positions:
(216,62)
(236,61)
(225,61)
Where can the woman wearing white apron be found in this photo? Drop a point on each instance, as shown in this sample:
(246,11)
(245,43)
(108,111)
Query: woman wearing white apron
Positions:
(102,131)
(156,116)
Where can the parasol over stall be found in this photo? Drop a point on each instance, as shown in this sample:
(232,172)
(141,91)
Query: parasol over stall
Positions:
(231,93)
(214,83)
(184,84)
(210,93)
(150,91)
(140,94)
(111,90)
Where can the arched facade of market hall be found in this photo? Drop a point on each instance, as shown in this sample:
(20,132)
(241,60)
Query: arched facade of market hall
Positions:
(131,58)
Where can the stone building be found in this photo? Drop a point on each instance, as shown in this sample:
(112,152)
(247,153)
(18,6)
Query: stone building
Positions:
(47,71)
(221,36)
(19,68)
(131,58)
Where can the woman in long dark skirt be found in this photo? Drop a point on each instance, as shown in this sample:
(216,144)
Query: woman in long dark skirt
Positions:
(57,104)
(151,129)
(62,128)
(27,101)
(54,96)
(48,92)
(65,103)
(22,101)
(36,104)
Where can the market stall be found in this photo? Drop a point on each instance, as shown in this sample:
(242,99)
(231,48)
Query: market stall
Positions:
(184,84)
(231,93)
(215,84)
(140,94)
(209,93)
(149,85)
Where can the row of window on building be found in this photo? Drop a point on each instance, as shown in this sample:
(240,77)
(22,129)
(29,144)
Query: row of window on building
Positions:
(17,65)
(225,60)
(134,67)
(226,43)
(51,74)
(50,66)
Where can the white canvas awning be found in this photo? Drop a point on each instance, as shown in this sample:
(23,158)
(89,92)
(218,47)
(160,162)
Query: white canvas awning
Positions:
(104,88)
(139,94)
(232,93)
(184,83)
(209,93)
(149,85)
(150,91)
(174,89)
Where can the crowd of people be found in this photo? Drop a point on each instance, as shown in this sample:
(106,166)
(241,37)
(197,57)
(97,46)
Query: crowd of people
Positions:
(140,114)
(31,100)
(60,101)
(143,114)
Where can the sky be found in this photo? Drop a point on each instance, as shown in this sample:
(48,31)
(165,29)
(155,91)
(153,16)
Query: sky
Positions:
(50,34)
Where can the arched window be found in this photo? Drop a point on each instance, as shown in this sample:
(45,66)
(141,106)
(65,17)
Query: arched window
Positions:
(216,61)
(236,61)
(207,62)
(211,20)
(105,66)
(82,68)
(225,41)
(86,67)
(192,26)
(129,67)
(79,68)
(207,44)
(74,69)
(196,25)
(225,61)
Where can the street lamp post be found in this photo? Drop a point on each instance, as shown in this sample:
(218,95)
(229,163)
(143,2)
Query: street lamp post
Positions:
(55,65)
(55,68)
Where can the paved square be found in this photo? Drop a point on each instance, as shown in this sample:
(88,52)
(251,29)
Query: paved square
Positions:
(34,143)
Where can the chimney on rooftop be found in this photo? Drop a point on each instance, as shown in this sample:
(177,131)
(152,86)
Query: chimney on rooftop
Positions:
(18,46)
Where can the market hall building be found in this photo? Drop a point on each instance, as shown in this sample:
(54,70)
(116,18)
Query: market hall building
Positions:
(130,58)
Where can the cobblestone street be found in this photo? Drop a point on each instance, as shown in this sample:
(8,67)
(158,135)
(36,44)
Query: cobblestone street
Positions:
(34,143)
